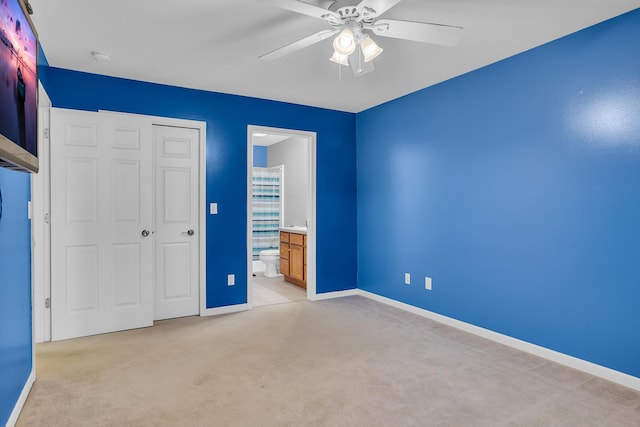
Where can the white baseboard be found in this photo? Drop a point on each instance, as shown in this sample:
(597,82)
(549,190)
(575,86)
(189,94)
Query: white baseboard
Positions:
(244,307)
(332,295)
(224,310)
(13,419)
(552,355)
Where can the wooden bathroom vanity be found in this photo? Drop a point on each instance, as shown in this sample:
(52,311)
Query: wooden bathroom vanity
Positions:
(293,256)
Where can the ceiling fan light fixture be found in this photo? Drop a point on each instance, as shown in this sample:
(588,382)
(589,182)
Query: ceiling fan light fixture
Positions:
(345,43)
(370,50)
(339,58)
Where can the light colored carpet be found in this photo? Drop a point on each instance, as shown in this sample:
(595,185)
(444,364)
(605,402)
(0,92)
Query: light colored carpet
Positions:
(275,290)
(343,362)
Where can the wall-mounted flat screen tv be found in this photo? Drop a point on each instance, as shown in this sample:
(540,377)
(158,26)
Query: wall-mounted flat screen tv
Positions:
(18,88)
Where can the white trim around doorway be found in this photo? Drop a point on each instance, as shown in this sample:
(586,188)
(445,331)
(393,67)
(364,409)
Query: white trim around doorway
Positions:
(311,139)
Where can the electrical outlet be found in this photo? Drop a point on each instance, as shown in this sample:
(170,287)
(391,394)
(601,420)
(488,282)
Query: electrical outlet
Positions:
(231,279)
(427,283)
(213,208)
(407,278)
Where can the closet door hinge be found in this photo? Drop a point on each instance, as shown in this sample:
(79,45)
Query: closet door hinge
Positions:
(45,133)
(47,303)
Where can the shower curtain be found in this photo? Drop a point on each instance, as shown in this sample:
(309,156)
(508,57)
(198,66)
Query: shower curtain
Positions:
(266,209)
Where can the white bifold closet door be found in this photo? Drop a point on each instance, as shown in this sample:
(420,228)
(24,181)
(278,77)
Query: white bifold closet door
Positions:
(176,215)
(101,223)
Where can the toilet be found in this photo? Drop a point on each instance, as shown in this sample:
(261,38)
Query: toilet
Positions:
(271,258)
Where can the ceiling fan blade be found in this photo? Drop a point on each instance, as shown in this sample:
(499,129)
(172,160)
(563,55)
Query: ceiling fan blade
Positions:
(444,35)
(379,6)
(297,45)
(303,8)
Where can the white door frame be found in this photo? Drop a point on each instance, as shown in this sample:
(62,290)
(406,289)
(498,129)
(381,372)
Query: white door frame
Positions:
(311,138)
(40,227)
(42,232)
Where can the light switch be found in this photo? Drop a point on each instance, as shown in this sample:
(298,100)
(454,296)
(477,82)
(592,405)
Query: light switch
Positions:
(213,208)
(407,278)
(427,283)
(231,279)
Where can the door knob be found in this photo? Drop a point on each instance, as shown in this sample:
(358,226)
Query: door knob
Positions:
(145,233)
(190,232)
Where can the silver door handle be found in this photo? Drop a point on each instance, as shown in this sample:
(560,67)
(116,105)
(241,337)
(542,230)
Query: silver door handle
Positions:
(190,232)
(145,233)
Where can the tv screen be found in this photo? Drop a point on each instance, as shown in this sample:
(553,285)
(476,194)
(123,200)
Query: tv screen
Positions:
(18,88)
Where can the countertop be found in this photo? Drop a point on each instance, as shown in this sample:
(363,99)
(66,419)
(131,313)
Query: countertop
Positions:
(295,229)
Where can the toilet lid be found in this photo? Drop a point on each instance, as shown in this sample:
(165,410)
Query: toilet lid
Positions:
(270,252)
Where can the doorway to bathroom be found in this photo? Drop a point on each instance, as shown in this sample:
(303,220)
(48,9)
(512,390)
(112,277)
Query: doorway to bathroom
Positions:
(281,226)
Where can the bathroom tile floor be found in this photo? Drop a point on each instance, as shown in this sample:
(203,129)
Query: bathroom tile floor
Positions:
(274,290)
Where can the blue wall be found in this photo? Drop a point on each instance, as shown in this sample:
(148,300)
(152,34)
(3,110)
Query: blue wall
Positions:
(517,188)
(227,118)
(260,156)
(15,289)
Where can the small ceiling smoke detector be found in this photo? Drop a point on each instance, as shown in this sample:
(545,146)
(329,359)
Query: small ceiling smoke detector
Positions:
(100,56)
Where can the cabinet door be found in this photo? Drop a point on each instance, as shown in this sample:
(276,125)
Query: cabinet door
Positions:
(284,250)
(284,266)
(296,262)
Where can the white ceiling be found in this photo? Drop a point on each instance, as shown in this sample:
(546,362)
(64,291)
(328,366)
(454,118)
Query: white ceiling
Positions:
(214,44)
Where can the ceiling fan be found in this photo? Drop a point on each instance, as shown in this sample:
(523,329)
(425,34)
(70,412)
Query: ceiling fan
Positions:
(354,46)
